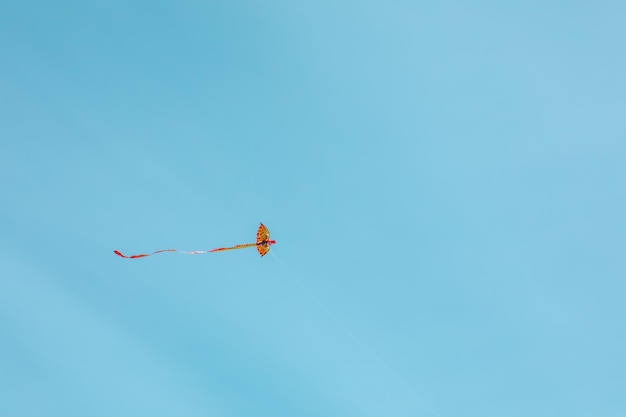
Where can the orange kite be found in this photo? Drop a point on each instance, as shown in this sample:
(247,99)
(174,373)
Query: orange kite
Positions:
(262,244)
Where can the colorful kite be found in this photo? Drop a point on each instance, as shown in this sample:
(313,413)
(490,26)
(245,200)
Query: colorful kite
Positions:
(262,244)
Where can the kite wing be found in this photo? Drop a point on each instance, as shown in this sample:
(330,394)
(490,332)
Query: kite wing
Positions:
(262,235)
(263,249)
(262,240)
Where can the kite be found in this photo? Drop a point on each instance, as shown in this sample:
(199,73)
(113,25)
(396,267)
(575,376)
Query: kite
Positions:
(262,244)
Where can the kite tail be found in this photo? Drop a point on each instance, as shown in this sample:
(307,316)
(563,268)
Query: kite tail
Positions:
(142,255)
(195,252)
(243,246)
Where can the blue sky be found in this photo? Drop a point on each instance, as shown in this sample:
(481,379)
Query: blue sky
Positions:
(447,179)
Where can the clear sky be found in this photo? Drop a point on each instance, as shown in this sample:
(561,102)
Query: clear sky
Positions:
(447,178)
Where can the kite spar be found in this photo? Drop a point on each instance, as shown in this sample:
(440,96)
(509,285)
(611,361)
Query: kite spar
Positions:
(262,245)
